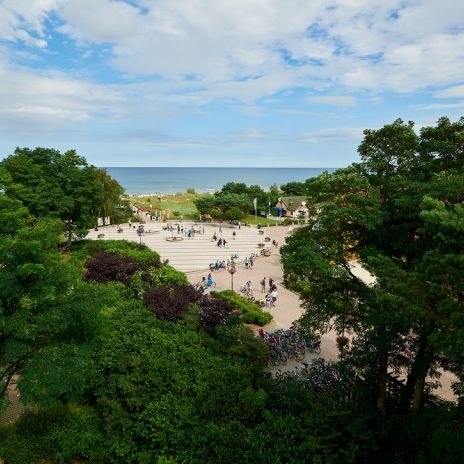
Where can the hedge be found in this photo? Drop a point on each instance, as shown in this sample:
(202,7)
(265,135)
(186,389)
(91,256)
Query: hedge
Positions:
(251,311)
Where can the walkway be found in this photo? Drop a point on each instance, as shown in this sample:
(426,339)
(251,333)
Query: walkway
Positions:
(189,254)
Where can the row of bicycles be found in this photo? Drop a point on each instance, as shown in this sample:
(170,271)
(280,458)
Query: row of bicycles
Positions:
(318,375)
(288,344)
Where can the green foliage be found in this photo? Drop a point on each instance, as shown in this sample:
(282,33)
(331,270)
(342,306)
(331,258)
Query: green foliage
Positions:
(274,192)
(251,311)
(234,201)
(241,342)
(37,291)
(64,185)
(400,212)
(205,204)
(234,214)
(143,255)
(159,391)
(293,188)
(60,434)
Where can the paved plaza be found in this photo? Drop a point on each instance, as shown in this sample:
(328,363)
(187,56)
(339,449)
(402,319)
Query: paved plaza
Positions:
(189,254)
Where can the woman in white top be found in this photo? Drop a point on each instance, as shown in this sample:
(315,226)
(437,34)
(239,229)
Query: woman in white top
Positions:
(274,297)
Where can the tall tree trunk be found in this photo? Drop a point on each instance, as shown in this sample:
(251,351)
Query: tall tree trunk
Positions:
(423,367)
(382,382)
(416,378)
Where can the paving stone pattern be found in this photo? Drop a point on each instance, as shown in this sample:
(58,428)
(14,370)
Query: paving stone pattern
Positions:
(190,254)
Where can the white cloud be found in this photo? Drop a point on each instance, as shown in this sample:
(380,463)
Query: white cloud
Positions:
(359,44)
(333,100)
(335,133)
(441,106)
(200,51)
(22,20)
(36,101)
(99,21)
(451,92)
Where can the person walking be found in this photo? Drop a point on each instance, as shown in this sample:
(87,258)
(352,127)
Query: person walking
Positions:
(271,284)
(220,229)
(268,300)
(274,296)
(263,285)
(234,234)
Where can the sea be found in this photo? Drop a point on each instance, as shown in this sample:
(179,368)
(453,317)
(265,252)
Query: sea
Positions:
(145,181)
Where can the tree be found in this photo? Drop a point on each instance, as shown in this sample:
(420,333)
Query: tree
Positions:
(234,213)
(293,188)
(238,188)
(274,191)
(46,315)
(159,389)
(205,204)
(394,211)
(64,185)
(112,192)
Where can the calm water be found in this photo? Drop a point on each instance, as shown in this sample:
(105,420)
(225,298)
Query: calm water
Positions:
(172,180)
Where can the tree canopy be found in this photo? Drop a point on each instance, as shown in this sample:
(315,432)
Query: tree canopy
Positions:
(235,200)
(49,183)
(398,211)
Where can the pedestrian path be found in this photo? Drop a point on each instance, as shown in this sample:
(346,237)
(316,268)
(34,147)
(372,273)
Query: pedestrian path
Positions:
(189,254)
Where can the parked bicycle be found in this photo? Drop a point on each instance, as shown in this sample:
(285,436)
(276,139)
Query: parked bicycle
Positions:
(318,375)
(284,345)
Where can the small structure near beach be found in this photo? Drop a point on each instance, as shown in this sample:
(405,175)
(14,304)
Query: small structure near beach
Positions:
(292,207)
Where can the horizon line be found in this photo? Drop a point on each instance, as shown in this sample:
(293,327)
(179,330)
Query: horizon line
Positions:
(229,167)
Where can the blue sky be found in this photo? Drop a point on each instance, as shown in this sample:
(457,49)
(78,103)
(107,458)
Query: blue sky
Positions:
(224,82)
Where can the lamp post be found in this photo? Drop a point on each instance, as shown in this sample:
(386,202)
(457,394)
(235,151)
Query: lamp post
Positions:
(232,271)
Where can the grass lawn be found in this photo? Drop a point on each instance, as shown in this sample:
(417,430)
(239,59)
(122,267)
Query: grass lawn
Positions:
(259,220)
(182,203)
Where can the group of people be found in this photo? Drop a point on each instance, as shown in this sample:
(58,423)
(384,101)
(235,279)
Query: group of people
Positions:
(271,296)
(207,281)
(222,242)
(249,262)
(218,264)
(189,232)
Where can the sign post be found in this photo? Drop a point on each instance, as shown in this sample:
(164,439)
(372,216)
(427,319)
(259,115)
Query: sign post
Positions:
(255,204)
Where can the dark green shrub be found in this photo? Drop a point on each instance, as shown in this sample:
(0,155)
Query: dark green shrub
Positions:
(251,311)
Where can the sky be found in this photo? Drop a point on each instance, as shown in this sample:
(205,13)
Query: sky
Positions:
(224,82)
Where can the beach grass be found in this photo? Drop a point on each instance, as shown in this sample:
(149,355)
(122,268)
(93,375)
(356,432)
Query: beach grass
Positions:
(179,204)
